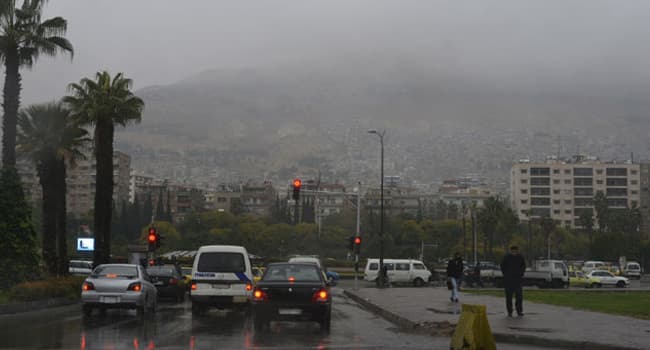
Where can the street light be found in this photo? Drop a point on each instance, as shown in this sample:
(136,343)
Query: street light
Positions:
(380,278)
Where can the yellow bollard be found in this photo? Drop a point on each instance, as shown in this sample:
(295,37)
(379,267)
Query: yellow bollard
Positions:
(473,330)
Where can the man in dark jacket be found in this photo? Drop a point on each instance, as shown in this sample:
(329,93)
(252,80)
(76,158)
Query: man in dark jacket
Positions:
(454,273)
(513,267)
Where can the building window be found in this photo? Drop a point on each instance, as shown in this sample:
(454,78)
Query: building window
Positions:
(567,171)
(634,182)
(540,191)
(584,202)
(616,172)
(633,172)
(567,182)
(617,202)
(599,182)
(616,182)
(556,191)
(616,192)
(524,181)
(540,212)
(524,211)
(634,192)
(524,191)
(567,201)
(524,201)
(540,201)
(524,171)
(584,191)
(556,201)
(634,204)
(540,181)
(556,171)
(583,172)
(540,171)
(556,181)
(556,211)
(586,181)
(599,171)
(567,211)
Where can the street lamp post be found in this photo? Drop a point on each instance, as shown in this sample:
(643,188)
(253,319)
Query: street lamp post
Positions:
(380,277)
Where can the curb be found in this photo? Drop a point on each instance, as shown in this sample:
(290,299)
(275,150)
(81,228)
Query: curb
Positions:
(499,337)
(35,305)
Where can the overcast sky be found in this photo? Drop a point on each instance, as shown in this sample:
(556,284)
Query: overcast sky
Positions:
(509,42)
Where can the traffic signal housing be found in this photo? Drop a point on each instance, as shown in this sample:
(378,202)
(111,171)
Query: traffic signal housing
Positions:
(152,239)
(296,189)
(357,245)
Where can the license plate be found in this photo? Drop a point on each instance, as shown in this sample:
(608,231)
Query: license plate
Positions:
(221,286)
(110,300)
(289,311)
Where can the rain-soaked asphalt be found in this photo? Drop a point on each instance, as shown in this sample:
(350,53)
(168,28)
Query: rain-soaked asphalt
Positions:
(173,327)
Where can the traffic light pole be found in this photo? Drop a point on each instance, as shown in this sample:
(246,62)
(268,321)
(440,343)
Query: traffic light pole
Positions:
(356,256)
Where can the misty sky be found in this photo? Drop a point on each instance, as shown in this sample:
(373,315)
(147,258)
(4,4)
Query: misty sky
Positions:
(545,43)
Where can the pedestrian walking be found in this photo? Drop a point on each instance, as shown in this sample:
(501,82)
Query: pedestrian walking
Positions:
(454,273)
(513,267)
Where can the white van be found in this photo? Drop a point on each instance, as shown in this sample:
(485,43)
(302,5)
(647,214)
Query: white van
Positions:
(80,267)
(632,270)
(593,265)
(222,278)
(399,271)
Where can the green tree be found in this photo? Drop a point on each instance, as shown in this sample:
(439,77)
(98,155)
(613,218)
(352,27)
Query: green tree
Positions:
(18,256)
(24,36)
(104,103)
(602,211)
(50,138)
(586,220)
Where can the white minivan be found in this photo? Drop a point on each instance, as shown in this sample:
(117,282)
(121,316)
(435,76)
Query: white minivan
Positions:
(632,270)
(399,271)
(592,265)
(221,278)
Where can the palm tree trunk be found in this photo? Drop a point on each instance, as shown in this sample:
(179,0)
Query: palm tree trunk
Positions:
(11,96)
(103,190)
(49,215)
(61,235)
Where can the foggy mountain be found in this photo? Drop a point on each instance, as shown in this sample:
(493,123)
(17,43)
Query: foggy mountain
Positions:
(438,124)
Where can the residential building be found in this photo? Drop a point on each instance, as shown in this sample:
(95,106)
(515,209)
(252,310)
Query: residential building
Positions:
(223,198)
(180,199)
(564,189)
(398,200)
(137,183)
(465,190)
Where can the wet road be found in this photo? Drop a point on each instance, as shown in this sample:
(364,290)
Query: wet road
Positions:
(173,327)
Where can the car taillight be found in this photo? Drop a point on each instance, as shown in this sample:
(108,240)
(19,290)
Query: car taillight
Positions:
(249,287)
(321,296)
(135,287)
(193,287)
(173,281)
(87,286)
(259,295)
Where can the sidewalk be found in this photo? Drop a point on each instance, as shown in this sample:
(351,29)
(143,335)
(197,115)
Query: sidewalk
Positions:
(542,325)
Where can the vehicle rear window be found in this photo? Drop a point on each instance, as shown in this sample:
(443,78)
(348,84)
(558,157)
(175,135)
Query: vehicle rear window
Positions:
(633,267)
(293,273)
(167,271)
(221,262)
(115,272)
(373,266)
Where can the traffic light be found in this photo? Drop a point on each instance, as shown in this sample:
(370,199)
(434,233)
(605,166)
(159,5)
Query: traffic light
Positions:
(357,245)
(296,188)
(152,239)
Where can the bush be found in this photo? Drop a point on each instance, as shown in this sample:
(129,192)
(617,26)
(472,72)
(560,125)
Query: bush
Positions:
(68,287)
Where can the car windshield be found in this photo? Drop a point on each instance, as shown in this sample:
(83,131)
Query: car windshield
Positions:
(221,262)
(115,272)
(292,273)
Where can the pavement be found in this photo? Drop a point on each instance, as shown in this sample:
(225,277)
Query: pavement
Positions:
(430,309)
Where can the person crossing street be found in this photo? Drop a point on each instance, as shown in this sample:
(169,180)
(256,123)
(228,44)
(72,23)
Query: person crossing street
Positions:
(454,273)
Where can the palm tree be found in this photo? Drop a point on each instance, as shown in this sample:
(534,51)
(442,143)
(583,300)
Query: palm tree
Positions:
(23,38)
(104,103)
(48,136)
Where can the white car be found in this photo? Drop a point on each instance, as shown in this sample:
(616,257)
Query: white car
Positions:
(606,278)
(80,267)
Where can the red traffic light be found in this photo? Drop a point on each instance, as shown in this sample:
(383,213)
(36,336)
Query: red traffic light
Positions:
(297,183)
(357,240)
(152,235)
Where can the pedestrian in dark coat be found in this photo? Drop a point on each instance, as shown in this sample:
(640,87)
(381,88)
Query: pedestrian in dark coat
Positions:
(513,267)
(454,273)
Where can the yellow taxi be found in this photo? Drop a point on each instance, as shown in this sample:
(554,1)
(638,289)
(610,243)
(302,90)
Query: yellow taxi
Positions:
(579,279)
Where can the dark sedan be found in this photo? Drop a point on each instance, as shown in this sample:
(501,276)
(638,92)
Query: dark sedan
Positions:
(168,281)
(292,292)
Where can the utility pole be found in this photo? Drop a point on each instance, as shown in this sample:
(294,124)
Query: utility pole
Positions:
(464,211)
(473,214)
(356,256)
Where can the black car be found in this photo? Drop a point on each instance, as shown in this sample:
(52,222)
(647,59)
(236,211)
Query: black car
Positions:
(168,281)
(292,292)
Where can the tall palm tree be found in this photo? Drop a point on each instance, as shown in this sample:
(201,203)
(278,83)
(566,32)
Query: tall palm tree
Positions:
(24,36)
(104,103)
(48,136)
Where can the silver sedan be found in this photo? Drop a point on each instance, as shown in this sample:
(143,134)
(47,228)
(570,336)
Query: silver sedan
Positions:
(118,286)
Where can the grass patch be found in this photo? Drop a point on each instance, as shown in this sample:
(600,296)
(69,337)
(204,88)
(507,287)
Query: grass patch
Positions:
(628,303)
(68,287)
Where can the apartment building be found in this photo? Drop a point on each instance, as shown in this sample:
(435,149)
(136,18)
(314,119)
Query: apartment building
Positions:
(564,189)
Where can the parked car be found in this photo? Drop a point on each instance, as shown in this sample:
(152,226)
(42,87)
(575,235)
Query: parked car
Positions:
(80,267)
(632,270)
(118,286)
(168,281)
(606,278)
(399,271)
(592,265)
(292,291)
(221,278)
(579,279)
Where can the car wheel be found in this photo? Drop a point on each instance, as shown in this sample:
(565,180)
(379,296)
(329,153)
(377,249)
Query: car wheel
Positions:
(620,284)
(418,282)
(325,323)
(87,310)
